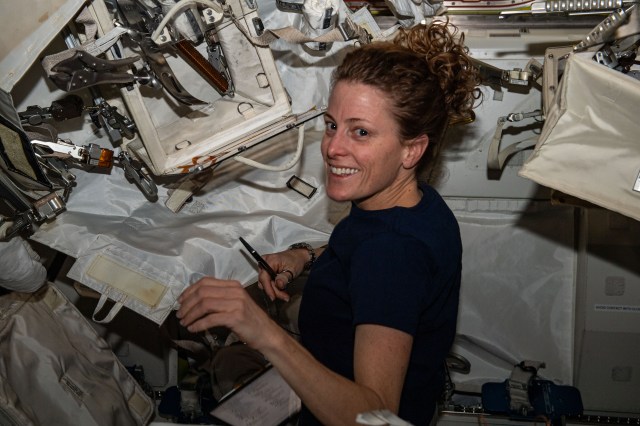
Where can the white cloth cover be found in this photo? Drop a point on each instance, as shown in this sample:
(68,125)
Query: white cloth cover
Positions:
(589,146)
(517,293)
(121,239)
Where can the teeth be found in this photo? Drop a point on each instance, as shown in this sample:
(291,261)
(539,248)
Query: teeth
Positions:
(343,171)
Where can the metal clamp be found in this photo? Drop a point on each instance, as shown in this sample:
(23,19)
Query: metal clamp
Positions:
(133,171)
(85,70)
(91,154)
(113,119)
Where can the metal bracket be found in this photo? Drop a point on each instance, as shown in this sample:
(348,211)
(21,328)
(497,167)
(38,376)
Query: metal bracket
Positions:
(133,171)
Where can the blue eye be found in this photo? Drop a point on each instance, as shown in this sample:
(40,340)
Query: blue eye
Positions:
(362,132)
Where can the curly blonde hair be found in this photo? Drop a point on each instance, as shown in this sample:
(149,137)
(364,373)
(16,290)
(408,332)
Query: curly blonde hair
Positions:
(427,74)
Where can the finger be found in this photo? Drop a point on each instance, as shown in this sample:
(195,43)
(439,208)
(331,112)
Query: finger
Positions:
(205,288)
(280,282)
(187,292)
(216,307)
(202,282)
(188,299)
(192,312)
(284,278)
(188,304)
(280,294)
(206,322)
(266,284)
(197,323)
(192,294)
(270,290)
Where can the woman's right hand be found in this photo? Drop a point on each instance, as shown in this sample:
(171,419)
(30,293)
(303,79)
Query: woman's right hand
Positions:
(288,264)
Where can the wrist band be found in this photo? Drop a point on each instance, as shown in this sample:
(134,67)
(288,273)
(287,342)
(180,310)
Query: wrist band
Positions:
(312,253)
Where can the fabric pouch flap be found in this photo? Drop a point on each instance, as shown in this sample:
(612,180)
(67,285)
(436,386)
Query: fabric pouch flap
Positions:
(121,274)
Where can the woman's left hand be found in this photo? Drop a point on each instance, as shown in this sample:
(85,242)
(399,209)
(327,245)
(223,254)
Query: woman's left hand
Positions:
(211,302)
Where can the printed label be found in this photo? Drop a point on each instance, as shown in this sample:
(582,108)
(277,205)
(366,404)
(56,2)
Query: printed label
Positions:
(617,308)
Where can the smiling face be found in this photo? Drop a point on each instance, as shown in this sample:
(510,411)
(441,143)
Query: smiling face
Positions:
(364,158)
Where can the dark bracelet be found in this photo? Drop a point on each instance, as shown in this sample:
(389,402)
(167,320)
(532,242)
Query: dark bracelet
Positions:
(312,253)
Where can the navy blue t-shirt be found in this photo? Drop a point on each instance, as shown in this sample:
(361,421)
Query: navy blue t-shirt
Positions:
(400,268)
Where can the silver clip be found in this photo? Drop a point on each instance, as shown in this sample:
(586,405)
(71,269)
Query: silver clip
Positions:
(49,206)
(133,171)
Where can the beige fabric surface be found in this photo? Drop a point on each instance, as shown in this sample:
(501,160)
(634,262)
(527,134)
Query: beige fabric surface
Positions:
(589,146)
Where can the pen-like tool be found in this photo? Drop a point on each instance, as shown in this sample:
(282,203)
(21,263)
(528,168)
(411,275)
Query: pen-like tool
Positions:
(271,306)
(263,263)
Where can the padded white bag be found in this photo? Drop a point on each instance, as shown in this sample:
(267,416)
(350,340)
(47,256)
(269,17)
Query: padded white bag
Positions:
(56,370)
(590,143)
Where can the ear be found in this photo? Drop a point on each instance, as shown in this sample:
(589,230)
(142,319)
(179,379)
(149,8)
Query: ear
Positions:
(414,150)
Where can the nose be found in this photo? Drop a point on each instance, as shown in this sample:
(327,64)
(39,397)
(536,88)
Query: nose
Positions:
(334,145)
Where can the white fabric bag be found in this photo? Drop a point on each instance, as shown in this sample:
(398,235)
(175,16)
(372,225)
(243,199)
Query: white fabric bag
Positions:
(56,370)
(590,142)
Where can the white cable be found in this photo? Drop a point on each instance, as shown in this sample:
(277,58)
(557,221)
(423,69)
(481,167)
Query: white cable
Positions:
(283,167)
(180,7)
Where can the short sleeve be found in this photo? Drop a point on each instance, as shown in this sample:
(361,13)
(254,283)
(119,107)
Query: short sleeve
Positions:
(389,282)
